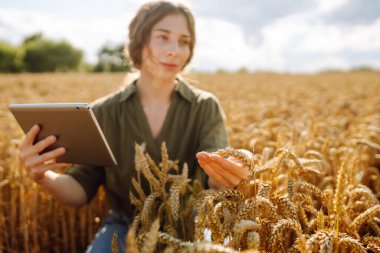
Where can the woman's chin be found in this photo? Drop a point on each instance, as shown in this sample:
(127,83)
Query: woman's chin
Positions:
(166,74)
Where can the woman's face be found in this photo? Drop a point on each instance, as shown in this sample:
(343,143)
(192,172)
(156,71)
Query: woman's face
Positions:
(168,48)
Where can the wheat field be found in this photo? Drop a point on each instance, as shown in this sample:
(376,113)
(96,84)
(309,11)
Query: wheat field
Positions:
(313,185)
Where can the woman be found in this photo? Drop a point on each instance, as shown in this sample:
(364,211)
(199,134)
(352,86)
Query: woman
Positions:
(158,106)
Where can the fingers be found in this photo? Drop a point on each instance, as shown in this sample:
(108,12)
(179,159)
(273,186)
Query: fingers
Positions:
(230,179)
(218,173)
(231,165)
(37,164)
(40,159)
(217,178)
(31,150)
(30,136)
(203,162)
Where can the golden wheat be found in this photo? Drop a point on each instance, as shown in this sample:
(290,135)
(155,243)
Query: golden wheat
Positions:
(313,172)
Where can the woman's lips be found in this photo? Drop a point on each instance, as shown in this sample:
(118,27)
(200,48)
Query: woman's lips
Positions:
(170,65)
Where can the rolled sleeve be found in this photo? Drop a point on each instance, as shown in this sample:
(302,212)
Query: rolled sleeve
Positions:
(89,177)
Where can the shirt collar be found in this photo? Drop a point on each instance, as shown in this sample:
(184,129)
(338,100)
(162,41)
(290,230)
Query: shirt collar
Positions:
(181,87)
(129,90)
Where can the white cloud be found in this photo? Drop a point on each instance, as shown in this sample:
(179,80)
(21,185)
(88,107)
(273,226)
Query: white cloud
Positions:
(323,38)
(298,40)
(295,42)
(14,23)
(220,42)
(307,44)
(88,34)
(329,5)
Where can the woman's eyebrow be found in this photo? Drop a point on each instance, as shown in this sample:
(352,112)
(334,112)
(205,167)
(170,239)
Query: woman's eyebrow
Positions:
(167,31)
(161,30)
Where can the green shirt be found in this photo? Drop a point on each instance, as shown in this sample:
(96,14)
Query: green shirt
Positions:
(194,122)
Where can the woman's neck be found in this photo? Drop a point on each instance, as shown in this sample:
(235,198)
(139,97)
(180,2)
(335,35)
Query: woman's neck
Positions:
(155,90)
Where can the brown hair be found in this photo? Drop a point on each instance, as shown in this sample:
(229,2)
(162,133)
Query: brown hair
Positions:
(148,15)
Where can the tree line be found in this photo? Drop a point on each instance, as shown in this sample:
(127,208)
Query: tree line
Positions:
(39,54)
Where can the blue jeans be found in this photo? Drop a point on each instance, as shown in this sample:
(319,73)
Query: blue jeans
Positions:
(102,242)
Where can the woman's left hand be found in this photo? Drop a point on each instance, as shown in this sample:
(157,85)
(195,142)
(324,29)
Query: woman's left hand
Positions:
(222,172)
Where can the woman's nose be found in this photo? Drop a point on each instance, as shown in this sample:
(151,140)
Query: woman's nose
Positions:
(173,48)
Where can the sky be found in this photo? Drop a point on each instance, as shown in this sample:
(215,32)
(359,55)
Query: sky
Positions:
(296,36)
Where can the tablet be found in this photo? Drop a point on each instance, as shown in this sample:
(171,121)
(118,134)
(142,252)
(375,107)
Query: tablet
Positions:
(74,125)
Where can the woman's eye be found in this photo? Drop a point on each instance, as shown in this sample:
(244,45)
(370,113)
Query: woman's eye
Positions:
(184,42)
(162,37)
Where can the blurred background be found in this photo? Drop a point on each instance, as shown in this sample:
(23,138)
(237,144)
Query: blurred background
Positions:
(292,36)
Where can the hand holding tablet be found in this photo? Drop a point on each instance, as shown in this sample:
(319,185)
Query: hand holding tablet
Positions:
(35,162)
(75,129)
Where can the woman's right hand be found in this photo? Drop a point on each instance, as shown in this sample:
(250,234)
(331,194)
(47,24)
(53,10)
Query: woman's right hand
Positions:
(38,163)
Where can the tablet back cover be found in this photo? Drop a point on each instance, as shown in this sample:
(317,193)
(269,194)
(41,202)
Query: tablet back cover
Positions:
(75,127)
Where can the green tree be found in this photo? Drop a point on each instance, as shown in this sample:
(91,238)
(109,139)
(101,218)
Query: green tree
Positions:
(10,58)
(43,55)
(32,37)
(242,70)
(111,59)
